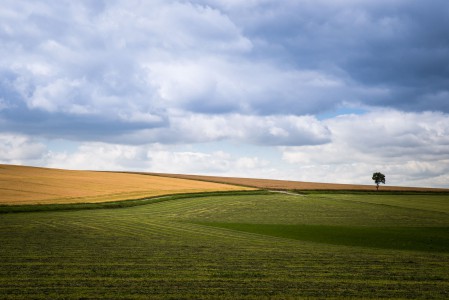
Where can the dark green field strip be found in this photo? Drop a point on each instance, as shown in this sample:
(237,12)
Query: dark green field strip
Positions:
(432,239)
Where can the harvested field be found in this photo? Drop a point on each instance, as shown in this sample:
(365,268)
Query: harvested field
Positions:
(31,185)
(297,185)
(272,246)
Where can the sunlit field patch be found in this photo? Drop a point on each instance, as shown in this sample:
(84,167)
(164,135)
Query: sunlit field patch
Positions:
(21,185)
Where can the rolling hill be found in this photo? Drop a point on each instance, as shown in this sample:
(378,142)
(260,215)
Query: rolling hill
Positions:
(31,185)
(253,244)
(34,185)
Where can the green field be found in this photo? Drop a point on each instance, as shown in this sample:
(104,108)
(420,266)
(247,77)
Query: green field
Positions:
(251,246)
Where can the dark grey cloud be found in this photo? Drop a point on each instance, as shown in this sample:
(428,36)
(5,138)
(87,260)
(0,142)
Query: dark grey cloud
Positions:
(105,69)
(72,127)
(399,46)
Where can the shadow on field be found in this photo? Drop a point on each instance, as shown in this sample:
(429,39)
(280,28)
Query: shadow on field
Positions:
(428,239)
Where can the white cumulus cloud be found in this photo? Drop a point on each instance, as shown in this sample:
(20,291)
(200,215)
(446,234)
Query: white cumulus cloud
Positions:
(411,147)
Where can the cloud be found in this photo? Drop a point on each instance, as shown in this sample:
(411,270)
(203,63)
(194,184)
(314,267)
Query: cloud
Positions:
(154,158)
(117,76)
(412,147)
(137,62)
(398,46)
(216,85)
(100,156)
(258,130)
(18,149)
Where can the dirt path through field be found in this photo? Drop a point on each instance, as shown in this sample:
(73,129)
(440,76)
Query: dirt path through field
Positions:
(288,193)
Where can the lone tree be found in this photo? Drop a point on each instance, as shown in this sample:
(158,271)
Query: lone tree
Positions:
(378,178)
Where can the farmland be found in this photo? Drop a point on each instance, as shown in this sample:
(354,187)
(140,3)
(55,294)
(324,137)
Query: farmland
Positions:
(254,246)
(21,185)
(296,185)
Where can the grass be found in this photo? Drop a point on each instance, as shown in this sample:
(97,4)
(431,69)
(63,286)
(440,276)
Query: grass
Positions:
(165,251)
(430,239)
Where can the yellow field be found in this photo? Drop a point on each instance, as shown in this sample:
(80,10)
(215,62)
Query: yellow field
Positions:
(31,185)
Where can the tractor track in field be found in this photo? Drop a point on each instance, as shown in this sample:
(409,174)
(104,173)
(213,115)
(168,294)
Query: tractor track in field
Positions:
(287,193)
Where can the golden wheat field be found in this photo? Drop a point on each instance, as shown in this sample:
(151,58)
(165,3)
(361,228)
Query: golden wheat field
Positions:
(32,185)
(298,185)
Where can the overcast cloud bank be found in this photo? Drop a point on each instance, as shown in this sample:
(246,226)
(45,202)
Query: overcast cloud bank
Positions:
(338,89)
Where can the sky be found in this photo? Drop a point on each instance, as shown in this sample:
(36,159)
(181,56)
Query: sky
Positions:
(322,90)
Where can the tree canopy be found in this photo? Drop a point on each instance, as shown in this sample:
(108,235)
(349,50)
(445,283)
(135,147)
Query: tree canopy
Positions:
(378,178)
